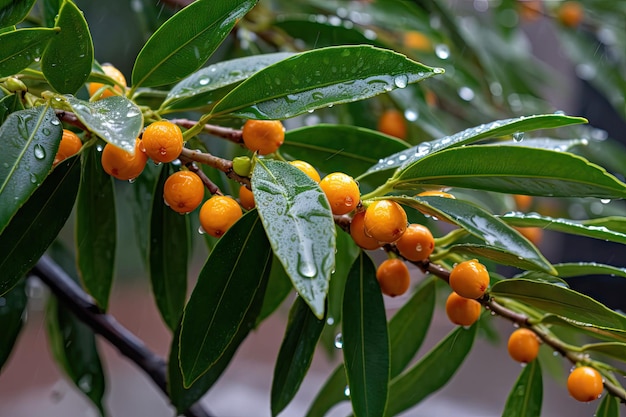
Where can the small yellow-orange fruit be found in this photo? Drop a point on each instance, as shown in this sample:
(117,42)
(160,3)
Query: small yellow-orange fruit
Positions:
(69,146)
(585,384)
(341,191)
(263,136)
(385,221)
(218,214)
(163,141)
(469,279)
(416,243)
(183,191)
(523,345)
(462,311)
(393,277)
(357,231)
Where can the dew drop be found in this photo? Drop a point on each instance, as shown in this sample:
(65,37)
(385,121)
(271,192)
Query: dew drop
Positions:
(339,341)
(204,81)
(84,383)
(132,180)
(40,152)
(411,115)
(201,230)
(99,147)
(518,137)
(605,200)
(307,269)
(33,178)
(317,95)
(442,51)
(401,81)
(346,391)
(55,122)
(330,321)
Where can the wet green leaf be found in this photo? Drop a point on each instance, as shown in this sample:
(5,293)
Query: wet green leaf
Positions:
(608,407)
(12,317)
(14,11)
(526,397)
(577,269)
(278,288)
(22,47)
(50,9)
(558,145)
(322,34)
(333,392)
(598,332)
(615,350)
(299,225)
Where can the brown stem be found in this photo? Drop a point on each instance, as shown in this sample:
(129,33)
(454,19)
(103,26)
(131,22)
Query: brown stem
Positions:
(224,165)
(233,135)
(210,185)
(70,118)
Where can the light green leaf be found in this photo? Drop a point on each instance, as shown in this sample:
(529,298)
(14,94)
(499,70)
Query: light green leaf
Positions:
(577,269)
(526,396)
(22,47)
(14,11)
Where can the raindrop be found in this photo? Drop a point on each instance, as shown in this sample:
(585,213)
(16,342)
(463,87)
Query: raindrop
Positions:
(518,137)
(346,391)
(438,70)
(401,81)
(339,341)
(132,180)
(424,148)
(411,115)
(307,269)
(292,98)
(442,51)
(605,200)
(330,321)
(99,147)
(318,95)
(84,383)
(201,230)
(40,152)
(55,122)
(33,178)
(466,93)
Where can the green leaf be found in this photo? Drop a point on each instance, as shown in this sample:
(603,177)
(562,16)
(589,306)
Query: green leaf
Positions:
(511,169)
(14,11)
(37,223)
(66,62)
(236,271)
(598,332)
(299,225)
(116,119)
(333,392)
(278,288)
(527,395)
(321,34)
(168,255)
(561,301)
(333,148)
(577,269)
(12,309)
(431,372)
(608,407)
(320,78)
(141,203)
(295,355)
(30,139)
(184,42)
(615,350)
(205,86)
(96,228)
(494,129)
(480,223)
(558,145)
(365,340)
(50,9)
(21,48)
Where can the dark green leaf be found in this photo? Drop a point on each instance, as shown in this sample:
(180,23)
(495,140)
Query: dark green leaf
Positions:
(30,139)
(278,288)
(168,254)
(577,269)
(320,78)
(141,203)
(598,332)
(299,225)
(12,315)
(322,34)
(50,9)
(609,407)
(295,355)
(21,48)
(236,271)
(66,62)
(365,340)
(116,119)
(37,223)
(559,145)
(431,372)
(615,350)
(527,395)
(13,12)
(333,392)
(185,42)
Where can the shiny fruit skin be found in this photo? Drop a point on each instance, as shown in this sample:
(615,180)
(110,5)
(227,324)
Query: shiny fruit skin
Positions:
(341,191)
(263,136)
(585,384)
(385,221)
(121,164)
(462,311)
(246,198)
(183,191)
(357,231)
(218,214)
(469,279)
(393,277)
(307,168)
(70,145)
(523,345)
(416,243)
(162,141)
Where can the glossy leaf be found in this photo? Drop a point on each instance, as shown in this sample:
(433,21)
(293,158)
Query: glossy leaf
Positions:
(142,193)
(320,78)
(365,340)
(12,317)
(299,225)
(205,86)
(333,392)
(511,169)
(278,288)
(598,332)
(615,350)
(117,120)
(14,11)
(50,9)
(558,145)
(96,228)
(431,372)
(577,269)
(38,223)
(236,271)
(22,47)
(526,397)
(494,129)
(30,139)
(319,34)
(66,62)
(184,42)
(295,355)
(609,407)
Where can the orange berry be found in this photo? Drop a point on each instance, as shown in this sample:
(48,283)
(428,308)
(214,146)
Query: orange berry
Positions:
(246,198)
(523,202)
(307,168)
(529,10)
(469,279)
(523,345)
(218,214)
(585,384)
(417,40)
(571,14)
(69,146)
(385,221)
(114,73)
(121,164)
(393,277)
(534,234)
(392,123)
(263,136)
(357,231)
(163,141)
(416,243)
(341,191)
(462,311)
(435,193)
(183,191)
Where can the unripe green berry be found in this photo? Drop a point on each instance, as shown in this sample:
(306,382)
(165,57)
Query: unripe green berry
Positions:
(242,166)
(13,84)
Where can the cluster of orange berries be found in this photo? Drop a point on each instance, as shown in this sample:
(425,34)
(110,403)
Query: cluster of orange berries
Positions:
(469,280)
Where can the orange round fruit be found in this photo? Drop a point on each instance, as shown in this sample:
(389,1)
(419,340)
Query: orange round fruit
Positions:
(246,198)
(585,384)
(523,202)
(69,146)
(183,191)
(121,164)
(416,243)
(357,231)
(523,345)
(307,168)
(462,311)
(116,75)
(341,191)
(435,193)
(571,14)
(218,214)
(392,123)
(163,141)
(263,136)
(385,221)
(469,279)
(393,277)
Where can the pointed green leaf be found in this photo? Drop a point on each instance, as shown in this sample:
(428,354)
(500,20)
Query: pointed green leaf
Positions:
(615,350)
(559,145)
(184,43)
(237,269)
(320,78)
(499,255)
(333,392)
(318,34)
(12,317)
(365,340)
(117,120)
(30,139)
(141,203)
(14,11)
(608,407)
(299,225)
(168,255)
(21,48)
(431,372)
(577,269)
(37,223)
(597,332)
(66,62)
(278,288)
(526,396)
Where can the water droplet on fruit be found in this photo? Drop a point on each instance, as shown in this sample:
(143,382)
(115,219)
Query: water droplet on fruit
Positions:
(99,147)
(40,152)
(339,341)
(132,180)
